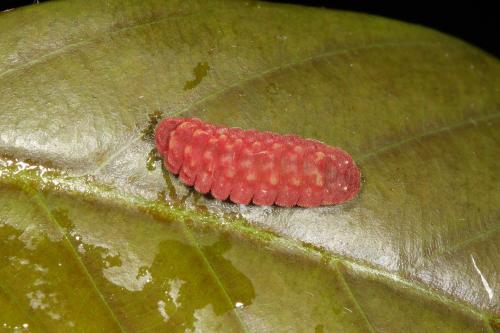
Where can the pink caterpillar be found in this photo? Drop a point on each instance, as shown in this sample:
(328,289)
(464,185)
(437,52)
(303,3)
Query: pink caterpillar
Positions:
(260,167)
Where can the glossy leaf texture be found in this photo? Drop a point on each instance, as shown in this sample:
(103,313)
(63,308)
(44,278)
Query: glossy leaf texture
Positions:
(96,237)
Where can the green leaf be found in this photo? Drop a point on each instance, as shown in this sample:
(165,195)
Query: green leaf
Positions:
(96,237)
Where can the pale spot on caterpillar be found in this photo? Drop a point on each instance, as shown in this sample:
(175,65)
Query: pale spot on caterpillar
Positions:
(226,158)
(319,156)
(268,166)
(256,145)
(296,181)
(172,143)
(251,176)
(184,125)
(199,132)
(273,179)
(246,163)
(319,179)
(230,172)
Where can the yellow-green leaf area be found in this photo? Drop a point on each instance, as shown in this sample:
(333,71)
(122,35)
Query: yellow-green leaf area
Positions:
(96,236)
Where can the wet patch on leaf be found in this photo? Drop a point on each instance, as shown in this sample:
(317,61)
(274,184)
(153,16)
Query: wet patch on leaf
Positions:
(200,71)
(148,133)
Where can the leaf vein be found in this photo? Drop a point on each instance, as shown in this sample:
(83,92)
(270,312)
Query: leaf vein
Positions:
(77,45)
(350,294)
(293,64)
(438,131)
(480,236)
(38,199)
(262,74)
(215,277)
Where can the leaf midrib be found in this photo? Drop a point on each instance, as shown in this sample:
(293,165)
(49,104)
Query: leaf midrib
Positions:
(397,144)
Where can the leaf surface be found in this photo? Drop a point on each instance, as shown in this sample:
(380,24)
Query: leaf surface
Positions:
(95,235)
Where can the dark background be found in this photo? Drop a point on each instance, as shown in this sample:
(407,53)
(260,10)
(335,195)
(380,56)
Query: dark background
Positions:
(476,22)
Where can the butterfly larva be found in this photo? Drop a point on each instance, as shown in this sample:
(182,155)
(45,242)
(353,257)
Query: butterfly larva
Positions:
(260,167)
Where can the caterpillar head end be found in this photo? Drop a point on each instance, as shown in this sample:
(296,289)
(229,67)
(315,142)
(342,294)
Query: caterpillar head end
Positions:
(162,133)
